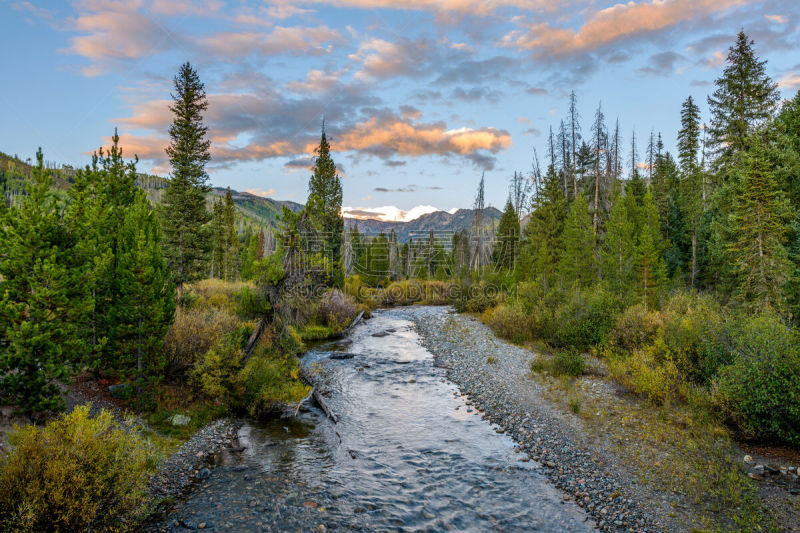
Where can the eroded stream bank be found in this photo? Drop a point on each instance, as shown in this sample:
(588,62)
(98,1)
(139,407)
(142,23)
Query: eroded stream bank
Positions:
(409,453)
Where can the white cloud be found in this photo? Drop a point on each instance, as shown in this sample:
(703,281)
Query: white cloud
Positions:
(388,213)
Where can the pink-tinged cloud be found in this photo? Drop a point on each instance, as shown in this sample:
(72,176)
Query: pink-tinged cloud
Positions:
(393,135)
(609,25)
(316,82)
(260,192)
(110,32)
(383,59)
(123,34)
(281,40)
(778,19)
(284,11)
(790,81)
(469,7)
(198,8)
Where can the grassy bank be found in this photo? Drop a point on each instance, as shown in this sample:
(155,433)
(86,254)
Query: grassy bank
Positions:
(669,390)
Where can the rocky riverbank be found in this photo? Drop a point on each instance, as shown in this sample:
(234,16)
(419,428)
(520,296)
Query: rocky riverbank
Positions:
(190,462)
(495,377)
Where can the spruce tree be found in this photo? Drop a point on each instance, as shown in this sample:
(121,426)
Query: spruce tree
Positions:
(758,233)
(744,99)
(184,214)
(786,148)
(324,207)
(231,238)
(599,145)
(506,246)
(43,297)
(543,245)
(577,262)
(145,304)
(218,236)
(98,197)
(691,187)
(649,262)
(618,252)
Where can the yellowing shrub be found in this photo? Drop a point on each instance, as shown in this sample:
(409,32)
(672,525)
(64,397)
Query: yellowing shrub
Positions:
(635,328)
(216,294)
(510,322)
(215,372)
(192,334)
(336,310)
(642,374)
(75,474)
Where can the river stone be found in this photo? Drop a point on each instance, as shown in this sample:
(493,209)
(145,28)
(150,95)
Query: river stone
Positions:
(380,334)
(342,356)
(179,420)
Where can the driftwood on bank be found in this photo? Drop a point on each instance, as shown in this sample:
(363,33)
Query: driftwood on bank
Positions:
(311,379)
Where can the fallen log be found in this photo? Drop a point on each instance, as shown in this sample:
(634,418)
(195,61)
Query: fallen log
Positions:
(349,328)
(297,409)
(324,406)
(309,378)
(251,342)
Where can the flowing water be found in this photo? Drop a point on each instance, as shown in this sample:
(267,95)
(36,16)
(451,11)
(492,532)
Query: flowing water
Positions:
(408,454)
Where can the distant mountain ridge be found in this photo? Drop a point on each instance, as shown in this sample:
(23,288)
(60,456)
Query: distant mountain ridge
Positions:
(438,221)
(254,210)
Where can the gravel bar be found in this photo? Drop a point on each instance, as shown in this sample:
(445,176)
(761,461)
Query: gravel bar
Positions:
(187,464)
(508,397)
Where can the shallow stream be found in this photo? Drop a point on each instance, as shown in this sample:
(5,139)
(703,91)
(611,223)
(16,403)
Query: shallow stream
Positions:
(408,454)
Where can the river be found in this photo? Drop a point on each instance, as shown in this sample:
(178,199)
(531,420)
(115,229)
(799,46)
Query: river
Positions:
(408,454)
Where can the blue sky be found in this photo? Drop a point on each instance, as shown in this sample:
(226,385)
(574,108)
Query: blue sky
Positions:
(418,100)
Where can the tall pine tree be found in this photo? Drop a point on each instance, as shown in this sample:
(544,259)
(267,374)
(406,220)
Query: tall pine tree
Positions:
(506,246)
(184,214)
(758,233)
(324,207)
(744,99)
(577,262)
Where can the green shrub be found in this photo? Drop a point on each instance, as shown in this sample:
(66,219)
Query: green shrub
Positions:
(271,381)
(635,328)
(215,294)
(315,332)
(563,363)
(251,303)
(355,288)
(691,333)
(476,297)
(75,474)
(290,342)
(416,291)
(569,363)
(760,390)
(583,320)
